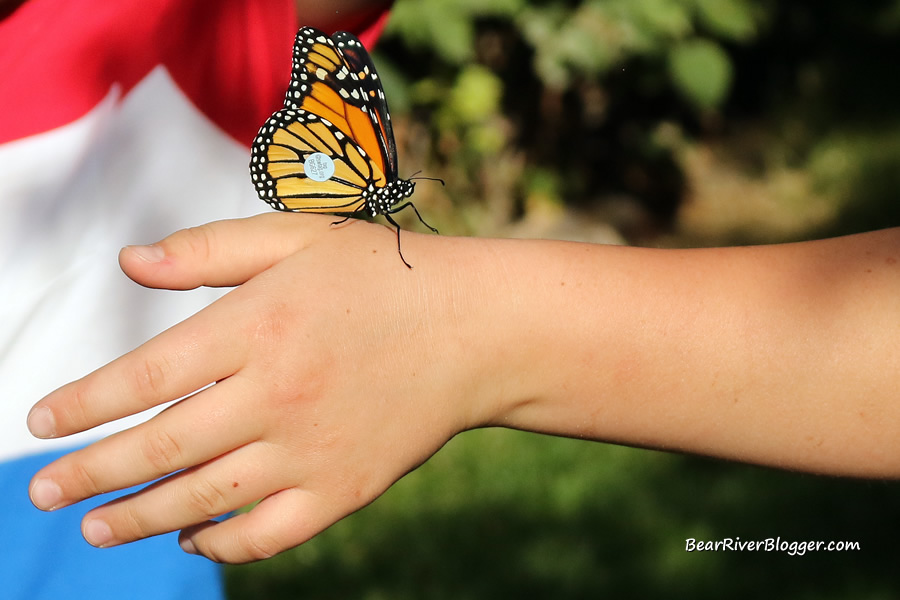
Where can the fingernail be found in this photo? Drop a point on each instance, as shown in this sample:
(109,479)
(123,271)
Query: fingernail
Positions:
(152,253)
(96,532)
(41,423)
(187,545)
(45,494)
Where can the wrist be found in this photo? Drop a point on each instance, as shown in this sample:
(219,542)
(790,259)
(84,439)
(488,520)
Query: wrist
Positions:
(502,301)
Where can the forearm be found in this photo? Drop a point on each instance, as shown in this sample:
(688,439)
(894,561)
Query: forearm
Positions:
(782,355)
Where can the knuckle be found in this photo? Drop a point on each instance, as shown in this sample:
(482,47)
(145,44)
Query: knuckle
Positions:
(85,480)
(257,545)
(78,412)
(131,523)
(162,451)
(149,379)
(269,328)
(199,241)
(206,499)
(213,547)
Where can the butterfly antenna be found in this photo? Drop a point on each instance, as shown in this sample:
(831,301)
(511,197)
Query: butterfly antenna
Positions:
(428,178)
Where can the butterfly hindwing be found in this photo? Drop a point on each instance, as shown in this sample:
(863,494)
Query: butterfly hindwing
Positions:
(279,154)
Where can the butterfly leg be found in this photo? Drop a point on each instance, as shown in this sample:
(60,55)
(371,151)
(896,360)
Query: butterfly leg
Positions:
(344,220)
(413,206)
(397,227)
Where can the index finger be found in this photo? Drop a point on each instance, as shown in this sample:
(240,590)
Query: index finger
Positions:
(180,360)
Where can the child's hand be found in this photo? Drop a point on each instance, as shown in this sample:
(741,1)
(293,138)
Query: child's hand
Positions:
(338,370)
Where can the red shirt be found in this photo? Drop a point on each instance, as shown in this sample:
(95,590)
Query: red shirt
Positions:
(232,58)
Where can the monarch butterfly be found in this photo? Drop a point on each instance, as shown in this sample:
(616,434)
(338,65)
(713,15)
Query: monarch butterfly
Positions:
(331,148)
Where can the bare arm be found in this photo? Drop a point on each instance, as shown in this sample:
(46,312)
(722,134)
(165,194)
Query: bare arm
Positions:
(782,355)
(339,369)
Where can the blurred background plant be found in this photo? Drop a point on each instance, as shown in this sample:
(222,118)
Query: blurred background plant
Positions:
(655,122)
(648,122)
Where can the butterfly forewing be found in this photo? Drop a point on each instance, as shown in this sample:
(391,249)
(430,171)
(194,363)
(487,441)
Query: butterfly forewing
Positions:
(324,83)
(360,64)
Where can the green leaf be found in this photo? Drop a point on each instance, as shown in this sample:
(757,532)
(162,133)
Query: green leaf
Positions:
(476,94)
(701,70)
(441,28)
(660,18)
(731,19)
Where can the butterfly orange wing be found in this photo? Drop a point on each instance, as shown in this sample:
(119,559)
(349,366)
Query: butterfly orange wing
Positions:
(327,110)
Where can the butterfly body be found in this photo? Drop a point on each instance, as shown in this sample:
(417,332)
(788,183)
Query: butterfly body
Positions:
(331,148)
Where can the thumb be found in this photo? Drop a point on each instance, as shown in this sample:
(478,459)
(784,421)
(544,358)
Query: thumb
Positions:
(222,253)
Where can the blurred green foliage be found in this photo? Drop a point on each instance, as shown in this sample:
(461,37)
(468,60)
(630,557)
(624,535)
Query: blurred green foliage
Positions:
(702,71)
(510,87)
(583,90)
